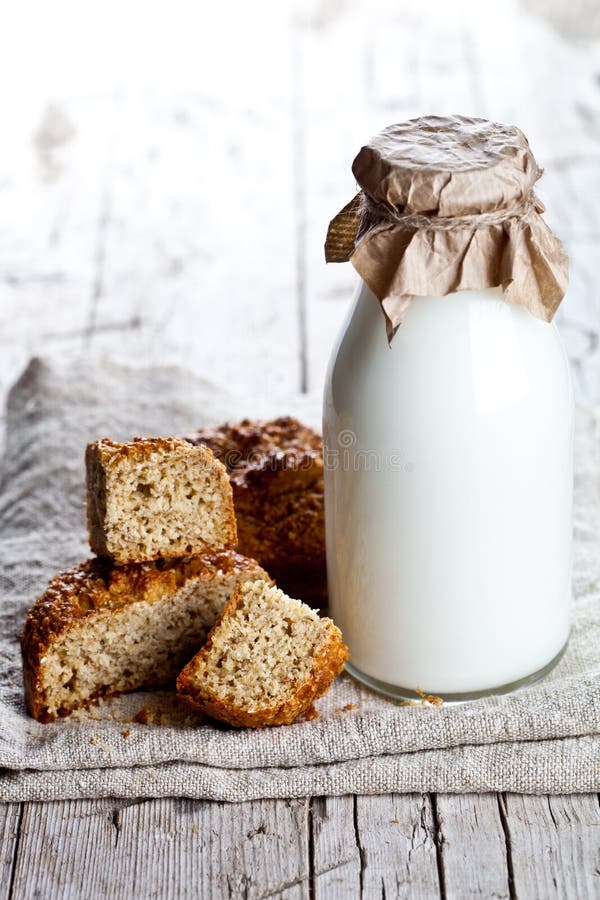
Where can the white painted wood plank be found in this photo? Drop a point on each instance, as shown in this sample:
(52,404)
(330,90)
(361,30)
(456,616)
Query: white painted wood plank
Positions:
(52,172)
(473,851)
(65,850)
(10,821)
(200,246)
(151,214)
(336,117)
(336,860)
(163,848)
(397,840)
(554,845)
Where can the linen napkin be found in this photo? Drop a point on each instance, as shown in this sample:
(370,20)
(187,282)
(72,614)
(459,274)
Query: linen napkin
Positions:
(543,739)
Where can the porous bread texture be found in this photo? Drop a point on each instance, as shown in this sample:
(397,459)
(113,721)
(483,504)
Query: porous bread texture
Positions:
(266,660)
(156,498)
(276,471)
(100,630)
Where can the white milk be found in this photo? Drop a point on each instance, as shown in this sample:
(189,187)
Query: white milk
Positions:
(448,491)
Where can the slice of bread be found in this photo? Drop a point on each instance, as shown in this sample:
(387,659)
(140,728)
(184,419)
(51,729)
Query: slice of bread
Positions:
(266,660)
(100,630)
(276,471)
(156,498)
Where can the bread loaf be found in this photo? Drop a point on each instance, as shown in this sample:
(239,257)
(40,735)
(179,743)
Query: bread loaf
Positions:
(276,471)
(100,629)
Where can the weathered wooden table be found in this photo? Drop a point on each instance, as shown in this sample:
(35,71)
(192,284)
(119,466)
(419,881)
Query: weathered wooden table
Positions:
(165,185)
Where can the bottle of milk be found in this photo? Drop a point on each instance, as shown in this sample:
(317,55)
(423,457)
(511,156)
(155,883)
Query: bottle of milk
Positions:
(448,417)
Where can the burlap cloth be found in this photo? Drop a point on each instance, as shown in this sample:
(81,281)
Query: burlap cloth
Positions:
(541,740)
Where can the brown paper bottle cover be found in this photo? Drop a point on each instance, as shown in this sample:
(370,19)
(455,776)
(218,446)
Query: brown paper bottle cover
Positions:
(447,204)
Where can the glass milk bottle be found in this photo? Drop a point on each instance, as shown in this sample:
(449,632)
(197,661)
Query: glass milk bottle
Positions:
(448,434)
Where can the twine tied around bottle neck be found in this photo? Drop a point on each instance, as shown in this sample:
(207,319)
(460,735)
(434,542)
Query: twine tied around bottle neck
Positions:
(379,212)
(363,214)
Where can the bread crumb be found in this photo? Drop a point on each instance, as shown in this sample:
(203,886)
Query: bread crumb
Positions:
(311,713)
(126,732)
(148,716)
(349,706)
(429,699)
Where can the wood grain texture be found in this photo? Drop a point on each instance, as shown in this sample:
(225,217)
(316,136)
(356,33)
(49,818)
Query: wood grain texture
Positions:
(335,856)
(10,828)
(397,837)
(200,270)
(64,850)
(216,850)
(393,846)
(472,847)
(554,846)
(163,848)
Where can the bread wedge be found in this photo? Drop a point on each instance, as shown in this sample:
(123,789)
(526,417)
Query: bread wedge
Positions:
(266,660)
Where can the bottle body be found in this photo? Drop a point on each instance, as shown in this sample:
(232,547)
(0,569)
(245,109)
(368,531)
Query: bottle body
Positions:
(448,494)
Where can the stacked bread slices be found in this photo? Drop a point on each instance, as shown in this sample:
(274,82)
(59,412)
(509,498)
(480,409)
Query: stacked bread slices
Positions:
(168,592)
